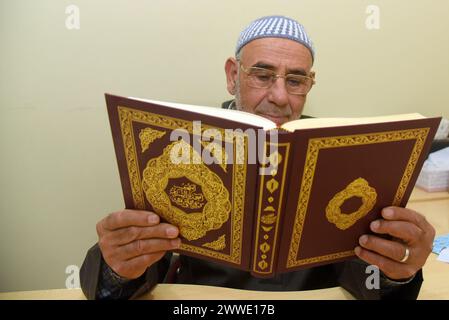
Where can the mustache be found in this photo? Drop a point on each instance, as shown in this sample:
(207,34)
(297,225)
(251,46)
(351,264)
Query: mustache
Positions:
(273,110)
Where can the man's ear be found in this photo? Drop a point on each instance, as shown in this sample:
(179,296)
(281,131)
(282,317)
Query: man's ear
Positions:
(231,67)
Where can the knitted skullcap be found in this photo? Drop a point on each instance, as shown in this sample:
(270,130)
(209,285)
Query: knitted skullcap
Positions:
(275,27)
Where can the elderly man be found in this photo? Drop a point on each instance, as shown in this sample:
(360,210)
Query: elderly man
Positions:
(270,76)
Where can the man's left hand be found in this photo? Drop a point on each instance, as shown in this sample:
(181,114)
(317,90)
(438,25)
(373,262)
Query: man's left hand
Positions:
(409,231)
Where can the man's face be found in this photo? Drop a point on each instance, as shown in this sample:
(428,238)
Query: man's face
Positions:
(283,56)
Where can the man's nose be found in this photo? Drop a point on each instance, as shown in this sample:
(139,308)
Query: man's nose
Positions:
(277,93)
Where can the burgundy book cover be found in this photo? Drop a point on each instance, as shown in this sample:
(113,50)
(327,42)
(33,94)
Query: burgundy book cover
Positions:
(340,179)
(211,204)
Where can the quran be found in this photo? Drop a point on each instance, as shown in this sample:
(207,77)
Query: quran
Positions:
(264,199)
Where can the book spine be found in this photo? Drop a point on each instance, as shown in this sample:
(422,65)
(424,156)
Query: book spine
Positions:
(270,198)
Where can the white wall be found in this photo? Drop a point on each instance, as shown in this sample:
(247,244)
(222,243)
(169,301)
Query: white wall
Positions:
(58,174)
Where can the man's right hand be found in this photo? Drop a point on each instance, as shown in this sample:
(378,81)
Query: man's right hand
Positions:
(132,240)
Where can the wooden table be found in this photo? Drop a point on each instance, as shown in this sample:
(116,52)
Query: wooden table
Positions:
(190,292)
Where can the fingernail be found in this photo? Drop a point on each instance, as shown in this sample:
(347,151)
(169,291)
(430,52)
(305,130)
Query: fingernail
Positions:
(152,218)
(357,250)
(387,213)
(176,242)
(375,225)
(363,240)
(172,232)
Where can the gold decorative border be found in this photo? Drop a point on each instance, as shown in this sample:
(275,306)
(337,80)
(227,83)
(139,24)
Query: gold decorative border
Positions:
(258,251)
(317,144)
(127,116)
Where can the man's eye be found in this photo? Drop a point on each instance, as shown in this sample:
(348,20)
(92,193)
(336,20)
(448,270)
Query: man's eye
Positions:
(295,82)
(262,76)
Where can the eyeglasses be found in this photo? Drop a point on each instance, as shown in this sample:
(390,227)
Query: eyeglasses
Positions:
(262,78)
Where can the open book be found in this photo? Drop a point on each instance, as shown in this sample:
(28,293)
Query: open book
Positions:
(265,199)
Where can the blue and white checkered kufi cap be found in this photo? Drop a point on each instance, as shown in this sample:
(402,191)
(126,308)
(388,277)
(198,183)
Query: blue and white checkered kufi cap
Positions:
(275,27)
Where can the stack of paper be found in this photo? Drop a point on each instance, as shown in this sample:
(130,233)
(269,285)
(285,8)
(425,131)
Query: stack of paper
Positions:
(434,174)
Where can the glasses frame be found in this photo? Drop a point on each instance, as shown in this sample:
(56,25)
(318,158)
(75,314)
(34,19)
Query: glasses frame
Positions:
(247,71)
